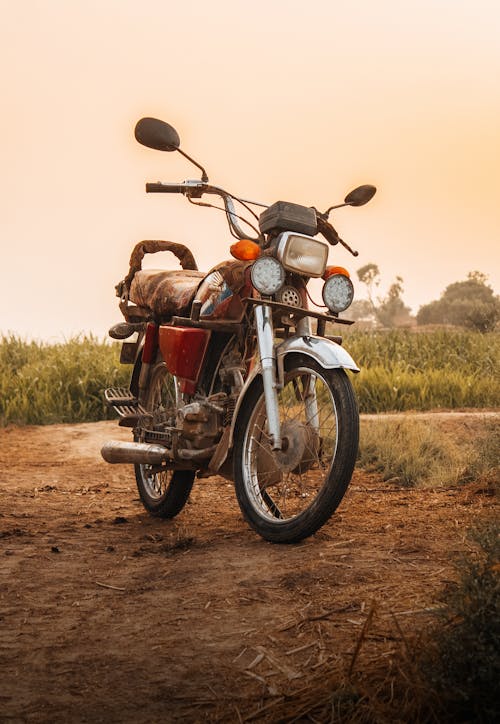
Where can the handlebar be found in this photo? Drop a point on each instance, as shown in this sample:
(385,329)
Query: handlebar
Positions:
(160,188)
(195,189)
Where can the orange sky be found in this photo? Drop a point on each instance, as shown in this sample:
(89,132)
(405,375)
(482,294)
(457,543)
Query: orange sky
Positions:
(279,100)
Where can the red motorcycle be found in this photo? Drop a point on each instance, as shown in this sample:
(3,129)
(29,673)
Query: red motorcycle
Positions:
(228,376)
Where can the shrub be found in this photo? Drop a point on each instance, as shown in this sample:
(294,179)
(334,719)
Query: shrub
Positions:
(462,664)
(410,452)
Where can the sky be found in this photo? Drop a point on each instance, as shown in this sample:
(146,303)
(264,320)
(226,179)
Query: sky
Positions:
(278,99)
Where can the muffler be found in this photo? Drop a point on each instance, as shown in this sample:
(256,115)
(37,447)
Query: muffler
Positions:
(134,453)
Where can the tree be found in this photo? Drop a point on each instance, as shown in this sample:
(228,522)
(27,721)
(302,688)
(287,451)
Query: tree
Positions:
(362,311)
(392,311)
(369,275)
(389,311)
(470,303)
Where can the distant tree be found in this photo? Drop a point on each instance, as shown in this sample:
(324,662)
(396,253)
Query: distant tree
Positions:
(470,303)
(369,275)
(361,311)
(392,311)
(389,311)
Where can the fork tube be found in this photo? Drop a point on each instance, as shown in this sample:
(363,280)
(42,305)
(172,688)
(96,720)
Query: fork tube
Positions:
(304,330)
(265,339)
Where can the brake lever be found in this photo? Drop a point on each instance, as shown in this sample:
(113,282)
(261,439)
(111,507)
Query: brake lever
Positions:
(346,246)
(331,235)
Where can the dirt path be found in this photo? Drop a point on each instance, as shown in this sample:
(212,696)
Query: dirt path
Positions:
(109,615)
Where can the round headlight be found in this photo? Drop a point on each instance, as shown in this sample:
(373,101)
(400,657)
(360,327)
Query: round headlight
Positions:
(268,276)
(338,293)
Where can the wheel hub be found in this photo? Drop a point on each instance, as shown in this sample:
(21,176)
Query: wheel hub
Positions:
(299,449)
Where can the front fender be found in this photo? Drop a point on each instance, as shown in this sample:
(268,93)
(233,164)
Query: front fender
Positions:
(325,352)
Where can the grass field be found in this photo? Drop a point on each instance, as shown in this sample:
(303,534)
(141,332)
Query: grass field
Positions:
(400,370)
(403,370)
(42,384)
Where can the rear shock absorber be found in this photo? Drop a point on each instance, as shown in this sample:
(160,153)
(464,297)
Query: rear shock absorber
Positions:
(148,357)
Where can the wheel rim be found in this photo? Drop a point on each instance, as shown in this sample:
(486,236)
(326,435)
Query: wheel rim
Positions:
(282,485)
(162,404)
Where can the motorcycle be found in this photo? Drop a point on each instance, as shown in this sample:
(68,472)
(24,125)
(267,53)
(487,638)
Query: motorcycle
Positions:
(228,376)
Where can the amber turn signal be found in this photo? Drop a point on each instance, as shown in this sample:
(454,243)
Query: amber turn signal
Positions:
(331,270)
(245,250)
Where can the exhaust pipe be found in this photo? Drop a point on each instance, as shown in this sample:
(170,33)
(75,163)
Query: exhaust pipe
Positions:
(134,453)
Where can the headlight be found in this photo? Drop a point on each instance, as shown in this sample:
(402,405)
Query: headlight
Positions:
(338,293)
(302,254)
(268,276)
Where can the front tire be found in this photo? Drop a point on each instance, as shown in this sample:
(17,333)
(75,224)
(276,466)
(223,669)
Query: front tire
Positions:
(288,495)
(164,493)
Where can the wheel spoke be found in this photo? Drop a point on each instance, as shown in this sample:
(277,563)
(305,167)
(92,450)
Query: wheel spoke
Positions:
(282,484)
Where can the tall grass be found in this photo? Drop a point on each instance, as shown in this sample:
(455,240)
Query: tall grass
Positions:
(42,383)
(404,370)
(401,370)
(410,453)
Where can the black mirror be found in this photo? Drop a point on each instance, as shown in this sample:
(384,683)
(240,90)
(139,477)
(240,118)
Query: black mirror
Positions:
(157,134)
(361,195)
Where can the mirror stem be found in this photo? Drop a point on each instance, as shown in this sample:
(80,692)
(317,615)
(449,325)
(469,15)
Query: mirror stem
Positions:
(204,176)
(338,206)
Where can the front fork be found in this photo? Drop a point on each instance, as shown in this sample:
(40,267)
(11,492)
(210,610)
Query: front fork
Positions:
(267,354)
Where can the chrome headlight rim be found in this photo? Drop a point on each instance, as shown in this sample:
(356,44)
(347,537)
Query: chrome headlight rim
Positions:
(267,275)
(338,293)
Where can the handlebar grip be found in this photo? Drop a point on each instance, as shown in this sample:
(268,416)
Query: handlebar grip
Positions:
(159,188)
(327,230)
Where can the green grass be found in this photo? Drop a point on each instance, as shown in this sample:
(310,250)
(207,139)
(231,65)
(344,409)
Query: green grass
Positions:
(400,370)
(404,370)
(42,384)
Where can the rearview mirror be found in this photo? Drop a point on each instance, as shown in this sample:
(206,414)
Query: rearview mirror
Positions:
(360,195)
(153,133)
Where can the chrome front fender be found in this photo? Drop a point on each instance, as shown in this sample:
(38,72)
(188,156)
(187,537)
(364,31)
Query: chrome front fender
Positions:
(325,352)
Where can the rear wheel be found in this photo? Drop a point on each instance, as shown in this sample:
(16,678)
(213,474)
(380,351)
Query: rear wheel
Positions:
(163,492)
(287,495)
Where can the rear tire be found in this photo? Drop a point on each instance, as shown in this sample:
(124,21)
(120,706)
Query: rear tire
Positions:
(288,495)
(164,493)
(174,490)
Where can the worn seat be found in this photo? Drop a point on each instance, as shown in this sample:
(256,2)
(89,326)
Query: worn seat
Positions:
(165,293)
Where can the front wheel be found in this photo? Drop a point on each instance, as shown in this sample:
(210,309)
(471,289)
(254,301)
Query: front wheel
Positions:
(289,494)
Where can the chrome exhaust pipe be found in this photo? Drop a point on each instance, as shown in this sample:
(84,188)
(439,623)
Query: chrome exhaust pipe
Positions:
(134,453)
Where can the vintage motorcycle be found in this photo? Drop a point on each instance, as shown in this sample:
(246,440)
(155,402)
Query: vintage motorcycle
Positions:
(228,377)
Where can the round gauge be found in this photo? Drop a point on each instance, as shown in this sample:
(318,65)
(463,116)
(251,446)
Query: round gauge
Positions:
(290,295)
(268,276)
(338,293)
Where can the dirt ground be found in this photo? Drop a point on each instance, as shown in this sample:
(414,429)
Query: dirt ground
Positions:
(109,615)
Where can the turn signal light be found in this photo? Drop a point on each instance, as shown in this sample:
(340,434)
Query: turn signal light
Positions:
(331,270)
(245,250)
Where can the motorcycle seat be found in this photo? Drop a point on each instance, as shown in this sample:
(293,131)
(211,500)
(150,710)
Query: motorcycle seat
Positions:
(165,293)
